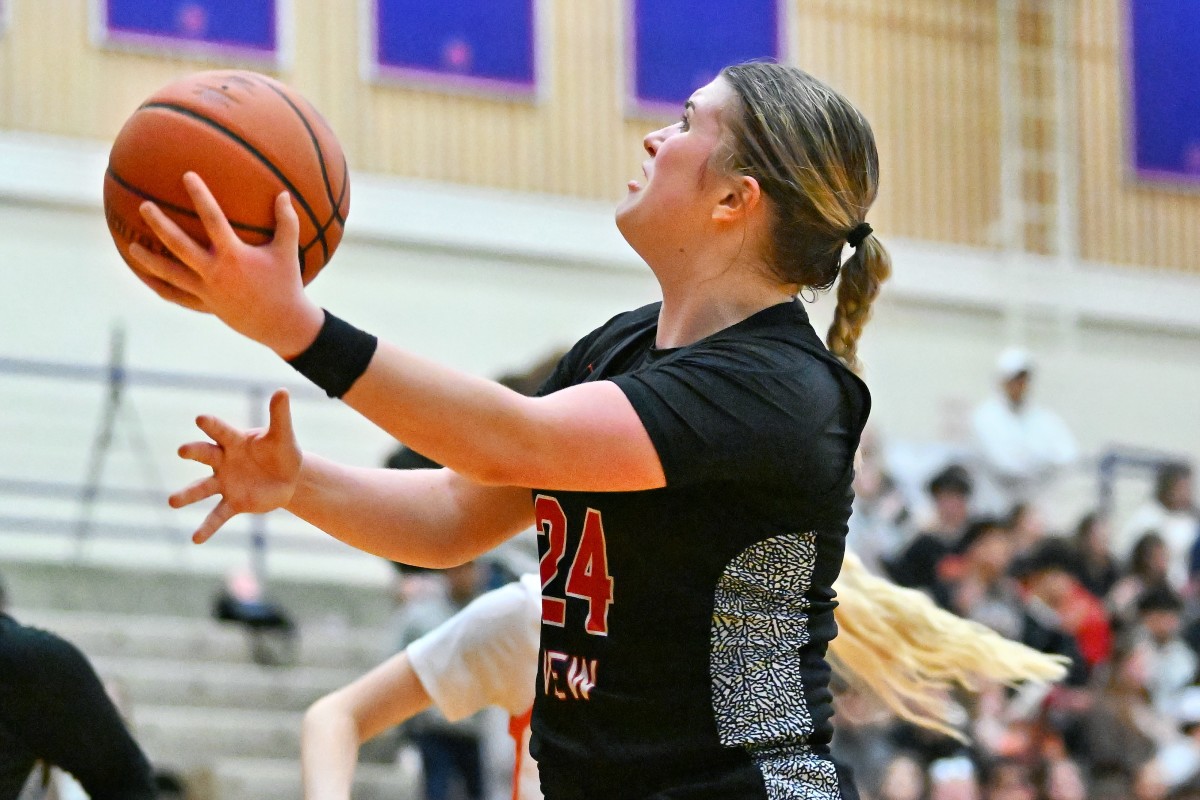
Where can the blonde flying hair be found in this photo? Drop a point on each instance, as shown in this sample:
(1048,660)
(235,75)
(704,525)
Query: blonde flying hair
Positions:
(906,651)
(814,157)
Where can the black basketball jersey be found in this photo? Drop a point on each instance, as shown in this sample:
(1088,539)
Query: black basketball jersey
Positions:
(684,629)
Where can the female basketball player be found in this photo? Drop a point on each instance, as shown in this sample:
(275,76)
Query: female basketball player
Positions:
(689,462)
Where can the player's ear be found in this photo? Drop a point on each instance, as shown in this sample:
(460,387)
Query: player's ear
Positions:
(742,197)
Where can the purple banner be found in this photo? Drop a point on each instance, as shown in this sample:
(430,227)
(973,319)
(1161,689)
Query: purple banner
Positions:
(232,28)
(485,45)
(1164,89)
(676,46)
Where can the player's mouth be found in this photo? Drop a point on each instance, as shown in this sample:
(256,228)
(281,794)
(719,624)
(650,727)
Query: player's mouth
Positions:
(635,185)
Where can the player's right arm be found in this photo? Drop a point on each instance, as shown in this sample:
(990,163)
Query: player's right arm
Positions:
(434,518)
(339,722)
(586,437)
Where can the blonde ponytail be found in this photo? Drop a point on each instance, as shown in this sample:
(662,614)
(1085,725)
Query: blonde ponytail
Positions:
(909,653)
(862,276)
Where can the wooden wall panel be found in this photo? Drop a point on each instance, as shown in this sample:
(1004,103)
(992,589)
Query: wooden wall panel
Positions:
(925,72)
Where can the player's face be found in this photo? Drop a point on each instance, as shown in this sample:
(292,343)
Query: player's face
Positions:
(680,185)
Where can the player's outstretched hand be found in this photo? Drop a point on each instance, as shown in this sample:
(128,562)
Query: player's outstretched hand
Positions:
(256,290)
(254,471)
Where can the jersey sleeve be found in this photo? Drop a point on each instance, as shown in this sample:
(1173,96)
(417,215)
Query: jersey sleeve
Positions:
(566,371)
(722,414)
(486,655)
(577,365)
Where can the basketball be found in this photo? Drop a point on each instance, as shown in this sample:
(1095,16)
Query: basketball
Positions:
(249,137)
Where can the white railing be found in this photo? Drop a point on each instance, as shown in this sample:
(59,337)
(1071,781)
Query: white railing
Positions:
(86,453)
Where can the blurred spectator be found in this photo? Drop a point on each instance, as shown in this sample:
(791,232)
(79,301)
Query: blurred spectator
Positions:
(860,736)
(1179,761)
(54,711)
(1009,779)
(1109,784)
(1149,783)
(976,584)
(953,778)
(878,526)
(1020,448)
(271,630)
(1095,568)
(1122,730)
(406,458)
(451,753)
(1027,526)
(1171,513)
(1148,565)
(903,779)
(916,566)
(1060,616)
(1062,779)
(1172,663)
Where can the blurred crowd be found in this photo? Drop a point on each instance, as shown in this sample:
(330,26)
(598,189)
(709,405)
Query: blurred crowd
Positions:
(1118,597)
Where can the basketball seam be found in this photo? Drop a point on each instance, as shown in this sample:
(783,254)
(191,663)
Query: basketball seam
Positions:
(329,222)
(337,212)
(129,187)
(187,112)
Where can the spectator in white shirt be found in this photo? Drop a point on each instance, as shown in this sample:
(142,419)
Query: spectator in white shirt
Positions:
(1171,514)
(1019,447)
(1172,663)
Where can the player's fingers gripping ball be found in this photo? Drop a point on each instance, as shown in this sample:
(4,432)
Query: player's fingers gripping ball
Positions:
(250,138)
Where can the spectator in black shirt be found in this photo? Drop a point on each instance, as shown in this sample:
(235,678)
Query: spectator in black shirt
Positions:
(916,566)
(54,710)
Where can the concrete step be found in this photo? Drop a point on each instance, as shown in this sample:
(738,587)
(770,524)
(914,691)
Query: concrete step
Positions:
(170,682)
(268,779)
(186,738)
(119,588)
(190,739)
(102,635)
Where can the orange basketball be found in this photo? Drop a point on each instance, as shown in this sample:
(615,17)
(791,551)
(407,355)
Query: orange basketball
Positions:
(249,137)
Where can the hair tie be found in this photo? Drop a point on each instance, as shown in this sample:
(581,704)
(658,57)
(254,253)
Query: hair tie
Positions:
(861,231)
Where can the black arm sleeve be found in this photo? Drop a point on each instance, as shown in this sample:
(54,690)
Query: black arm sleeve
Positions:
(56,704)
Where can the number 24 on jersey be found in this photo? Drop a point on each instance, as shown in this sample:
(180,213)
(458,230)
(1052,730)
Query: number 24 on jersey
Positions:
(587,578)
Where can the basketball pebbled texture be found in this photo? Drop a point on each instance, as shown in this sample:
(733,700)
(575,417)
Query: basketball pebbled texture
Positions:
(249,137)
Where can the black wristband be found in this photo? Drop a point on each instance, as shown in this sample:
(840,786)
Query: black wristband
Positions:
(337,357)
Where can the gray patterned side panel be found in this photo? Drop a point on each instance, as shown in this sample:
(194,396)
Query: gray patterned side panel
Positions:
(793,773)
(760,623)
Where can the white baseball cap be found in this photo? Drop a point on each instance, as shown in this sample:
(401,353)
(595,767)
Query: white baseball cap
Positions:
(1012,362)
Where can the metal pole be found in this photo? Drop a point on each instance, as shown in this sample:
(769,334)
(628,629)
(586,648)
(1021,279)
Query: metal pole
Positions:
(1012,221)
(1066,152)
(258,522)
(103,439)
